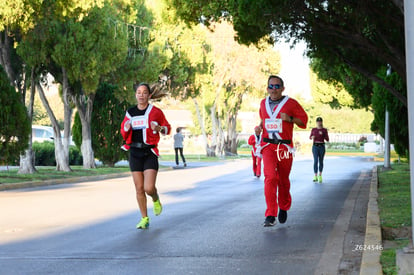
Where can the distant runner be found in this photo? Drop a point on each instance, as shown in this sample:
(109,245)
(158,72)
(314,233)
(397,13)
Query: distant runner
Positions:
(318,135)
(255,141)
(140,130)
(278,115)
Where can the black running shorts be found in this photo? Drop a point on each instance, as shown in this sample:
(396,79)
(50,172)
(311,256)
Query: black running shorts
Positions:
(142,159)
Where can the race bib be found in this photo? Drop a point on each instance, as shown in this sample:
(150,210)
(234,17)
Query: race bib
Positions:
(273,125)
(139,122)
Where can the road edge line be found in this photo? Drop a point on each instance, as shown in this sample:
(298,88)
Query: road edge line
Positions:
(334,247)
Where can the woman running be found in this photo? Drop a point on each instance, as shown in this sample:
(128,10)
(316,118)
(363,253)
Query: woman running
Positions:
(140,130)
(318,135)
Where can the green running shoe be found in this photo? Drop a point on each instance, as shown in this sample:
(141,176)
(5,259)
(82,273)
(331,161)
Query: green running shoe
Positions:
(320,179)
(144,223)
(315,179)
(157,207)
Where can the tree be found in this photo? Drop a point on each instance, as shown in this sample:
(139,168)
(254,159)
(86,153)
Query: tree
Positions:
(237,70)
(382,99)
(337,107)
(359,35)
(88,51)
(36,48)
(14,122)
(107,113)
(14,20)
(183,59)
(348,42)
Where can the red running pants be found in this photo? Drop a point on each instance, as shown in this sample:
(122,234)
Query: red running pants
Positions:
(257,165)
(277,163)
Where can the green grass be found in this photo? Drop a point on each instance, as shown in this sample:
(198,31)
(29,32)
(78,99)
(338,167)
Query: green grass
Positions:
(394,208)
(47,173)
(394,196)
(388,260)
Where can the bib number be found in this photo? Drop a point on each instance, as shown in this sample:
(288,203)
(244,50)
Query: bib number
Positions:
(139,123)
(273,125)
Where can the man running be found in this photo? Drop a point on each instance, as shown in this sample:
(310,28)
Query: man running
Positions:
(278,115)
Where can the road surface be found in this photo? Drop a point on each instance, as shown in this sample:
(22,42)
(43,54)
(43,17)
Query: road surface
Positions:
(211,224)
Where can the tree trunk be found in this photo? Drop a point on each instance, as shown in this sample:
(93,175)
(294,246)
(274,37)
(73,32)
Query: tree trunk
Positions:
(68,111)
(203,129)
(62,157)
(233,134)
(85,114)
(232,125)
(214,128)
(5,57)
(230,147)
(220,143)
(27,160)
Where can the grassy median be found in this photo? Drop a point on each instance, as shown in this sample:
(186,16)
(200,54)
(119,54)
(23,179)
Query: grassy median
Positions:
(50,173)
(395,212)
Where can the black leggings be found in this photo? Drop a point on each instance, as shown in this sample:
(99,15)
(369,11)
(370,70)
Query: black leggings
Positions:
(176,155)
(318,155)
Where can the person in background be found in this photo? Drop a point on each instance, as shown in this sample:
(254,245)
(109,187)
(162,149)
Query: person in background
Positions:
(178,146)
(255,141)
(319,135)
(141,130)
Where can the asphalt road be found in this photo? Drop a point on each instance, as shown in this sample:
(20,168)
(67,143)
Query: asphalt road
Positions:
(211,224)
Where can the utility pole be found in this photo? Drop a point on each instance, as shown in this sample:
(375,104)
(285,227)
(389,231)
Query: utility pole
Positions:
(387,132)
(408,256)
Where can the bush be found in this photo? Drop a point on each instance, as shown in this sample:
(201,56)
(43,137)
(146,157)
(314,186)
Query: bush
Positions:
(45,154)
(345,146)
(14,122)
(242,142)
(75,156)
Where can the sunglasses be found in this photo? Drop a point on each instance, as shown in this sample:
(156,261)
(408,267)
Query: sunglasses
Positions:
(274,86)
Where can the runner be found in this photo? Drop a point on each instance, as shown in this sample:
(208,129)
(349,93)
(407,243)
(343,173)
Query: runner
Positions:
(255,141)
(140,130)
(318,135)
(278,115)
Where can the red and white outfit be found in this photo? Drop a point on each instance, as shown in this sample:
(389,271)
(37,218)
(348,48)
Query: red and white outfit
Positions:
(256,141)
(143,122)
(278,158)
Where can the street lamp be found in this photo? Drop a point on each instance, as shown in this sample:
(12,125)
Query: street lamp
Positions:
(387,131)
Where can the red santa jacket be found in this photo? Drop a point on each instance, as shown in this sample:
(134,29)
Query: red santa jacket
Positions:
(254,141)
(152,114)
(292,108)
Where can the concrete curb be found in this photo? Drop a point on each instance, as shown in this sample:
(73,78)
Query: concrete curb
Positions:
(370,263)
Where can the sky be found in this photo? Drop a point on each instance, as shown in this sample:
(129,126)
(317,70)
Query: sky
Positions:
(295,70)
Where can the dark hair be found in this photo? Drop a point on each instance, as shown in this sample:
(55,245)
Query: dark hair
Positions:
(178,129)
(278,77)
(319,119)
(136,86)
